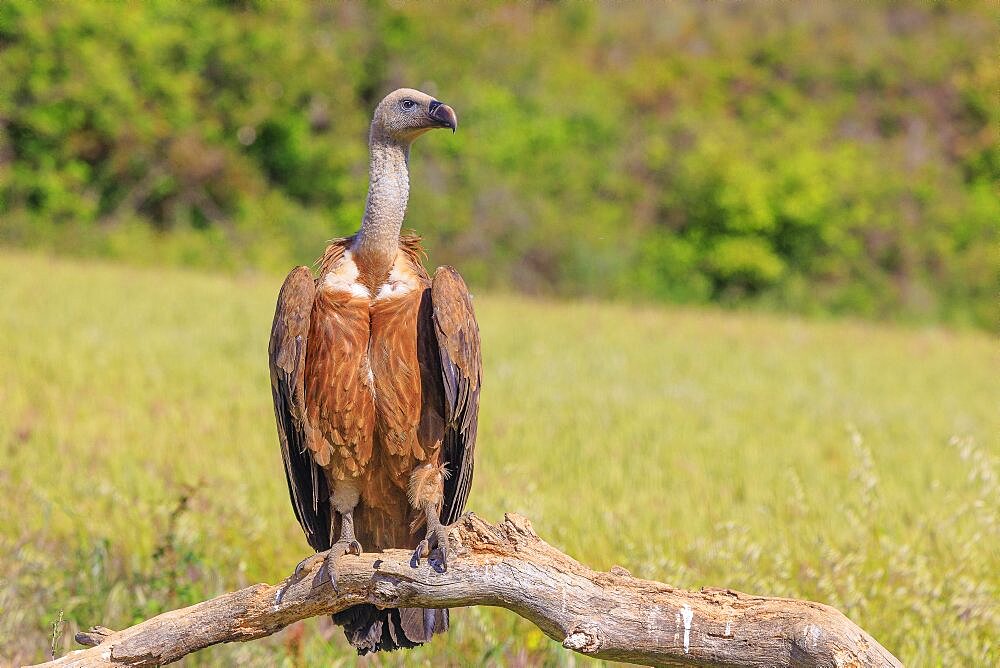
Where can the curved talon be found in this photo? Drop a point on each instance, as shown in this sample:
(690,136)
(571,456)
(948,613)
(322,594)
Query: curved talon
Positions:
(423,550)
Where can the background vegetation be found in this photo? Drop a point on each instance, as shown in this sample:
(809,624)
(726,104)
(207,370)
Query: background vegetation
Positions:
(817,157)
(844,462)
(813,157)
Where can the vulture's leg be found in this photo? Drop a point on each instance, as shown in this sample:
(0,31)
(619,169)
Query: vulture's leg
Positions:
(427,494)
(343,501)
(435,542)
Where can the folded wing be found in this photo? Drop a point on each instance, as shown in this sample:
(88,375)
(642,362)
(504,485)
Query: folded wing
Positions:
(457,336)
(307,484)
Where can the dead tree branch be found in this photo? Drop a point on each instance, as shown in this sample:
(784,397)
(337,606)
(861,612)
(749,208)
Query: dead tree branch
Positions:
(606,615)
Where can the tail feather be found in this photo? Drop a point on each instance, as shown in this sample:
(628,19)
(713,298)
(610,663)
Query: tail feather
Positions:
(372,629)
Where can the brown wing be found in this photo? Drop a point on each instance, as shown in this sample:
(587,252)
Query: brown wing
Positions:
(457,335)
(307,484)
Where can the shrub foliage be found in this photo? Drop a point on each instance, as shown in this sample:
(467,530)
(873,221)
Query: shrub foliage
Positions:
(813,157)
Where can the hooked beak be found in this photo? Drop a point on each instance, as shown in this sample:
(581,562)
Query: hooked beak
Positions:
(443,115)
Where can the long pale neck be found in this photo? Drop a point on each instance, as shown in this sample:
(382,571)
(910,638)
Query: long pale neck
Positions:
(377,242)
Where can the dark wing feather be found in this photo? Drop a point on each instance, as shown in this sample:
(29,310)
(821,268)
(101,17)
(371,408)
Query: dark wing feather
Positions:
(307,485)
(461,369)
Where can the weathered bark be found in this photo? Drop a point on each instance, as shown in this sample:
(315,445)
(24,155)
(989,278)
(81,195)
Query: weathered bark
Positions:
(606,615)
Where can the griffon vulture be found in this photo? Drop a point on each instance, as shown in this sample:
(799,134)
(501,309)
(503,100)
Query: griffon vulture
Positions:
(375,371)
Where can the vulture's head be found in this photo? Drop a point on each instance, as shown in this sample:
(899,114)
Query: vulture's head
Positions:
(405,114)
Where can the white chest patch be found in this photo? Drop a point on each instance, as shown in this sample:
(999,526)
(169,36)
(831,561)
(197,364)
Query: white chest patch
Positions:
(400,282)
(344,278)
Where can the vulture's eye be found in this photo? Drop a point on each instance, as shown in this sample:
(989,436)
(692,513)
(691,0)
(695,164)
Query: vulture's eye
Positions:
(408,104)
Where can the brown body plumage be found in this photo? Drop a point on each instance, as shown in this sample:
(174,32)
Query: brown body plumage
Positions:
(375,373)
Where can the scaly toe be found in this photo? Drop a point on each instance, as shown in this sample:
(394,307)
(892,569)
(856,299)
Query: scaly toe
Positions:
(342,547)
(301,566)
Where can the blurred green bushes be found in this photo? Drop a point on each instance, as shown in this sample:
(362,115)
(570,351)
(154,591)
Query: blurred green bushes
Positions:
(819,158)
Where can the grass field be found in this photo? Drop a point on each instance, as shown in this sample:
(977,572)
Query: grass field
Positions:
(845,462)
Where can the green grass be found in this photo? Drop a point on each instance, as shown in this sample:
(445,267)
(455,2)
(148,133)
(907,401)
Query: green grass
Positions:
(845,462)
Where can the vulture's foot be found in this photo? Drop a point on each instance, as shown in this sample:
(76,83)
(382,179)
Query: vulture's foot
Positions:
(434,546)
(328,570)
(340,548)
